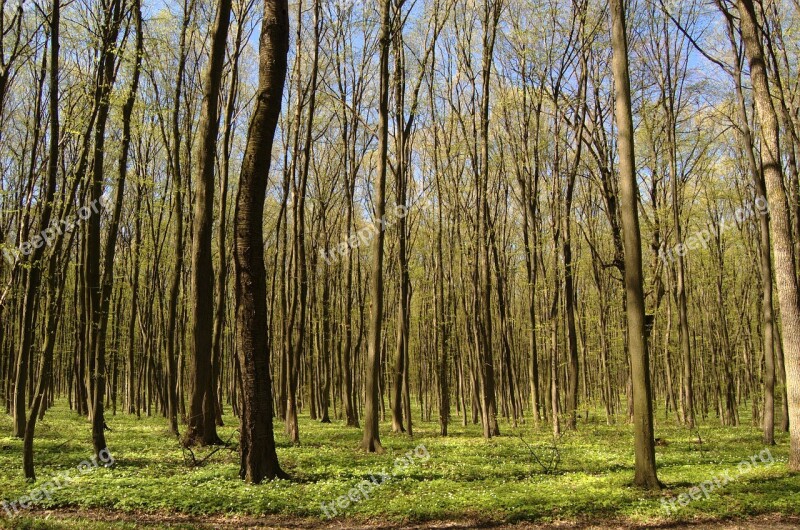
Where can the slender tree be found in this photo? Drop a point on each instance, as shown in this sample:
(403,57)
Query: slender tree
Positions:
(202,424)
(644,443)
(371,441)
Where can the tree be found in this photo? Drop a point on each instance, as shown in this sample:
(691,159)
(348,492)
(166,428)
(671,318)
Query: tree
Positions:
(259,459)
(176,168)
(300,284)
(644,442)
(52,175)
(371,440)
(202,420)
(97,283)
(782,247)
(765,243)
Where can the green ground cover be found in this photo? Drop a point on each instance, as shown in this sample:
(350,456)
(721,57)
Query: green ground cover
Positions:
(454,478)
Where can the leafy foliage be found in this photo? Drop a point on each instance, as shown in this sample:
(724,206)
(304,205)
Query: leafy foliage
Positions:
(466,476)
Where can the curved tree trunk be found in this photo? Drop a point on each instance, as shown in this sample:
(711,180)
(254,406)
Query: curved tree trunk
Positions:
(52,175)
(259,459)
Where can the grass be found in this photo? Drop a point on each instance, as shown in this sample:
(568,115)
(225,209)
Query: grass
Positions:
(466,477)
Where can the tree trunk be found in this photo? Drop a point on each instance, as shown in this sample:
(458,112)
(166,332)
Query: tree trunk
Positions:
(202,421)
(177,209)
(785,268)
(259,459)
(98,288)
(644,443)
(52,176)
(371,441)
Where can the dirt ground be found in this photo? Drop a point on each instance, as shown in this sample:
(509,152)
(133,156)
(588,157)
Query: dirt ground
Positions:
(149,520)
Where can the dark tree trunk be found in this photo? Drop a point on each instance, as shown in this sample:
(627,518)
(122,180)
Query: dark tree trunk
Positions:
(259,459)
(99,287)
(52,176)
(202,420)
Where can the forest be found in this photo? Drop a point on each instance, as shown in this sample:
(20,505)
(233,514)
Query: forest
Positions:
(399,264)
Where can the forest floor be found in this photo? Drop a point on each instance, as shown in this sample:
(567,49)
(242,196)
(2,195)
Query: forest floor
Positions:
(519,480)
(80,519)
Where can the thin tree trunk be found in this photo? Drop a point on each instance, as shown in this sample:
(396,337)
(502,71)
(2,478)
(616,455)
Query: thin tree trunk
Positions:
(52,176)
(371,441)
(98,295)
(202,424)
(177,209)
(644,443)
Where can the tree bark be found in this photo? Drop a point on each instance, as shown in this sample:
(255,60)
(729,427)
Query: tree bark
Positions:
(371,441)
(644,443)
(259,459)
(177,209)
(202,424)
(783,250)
